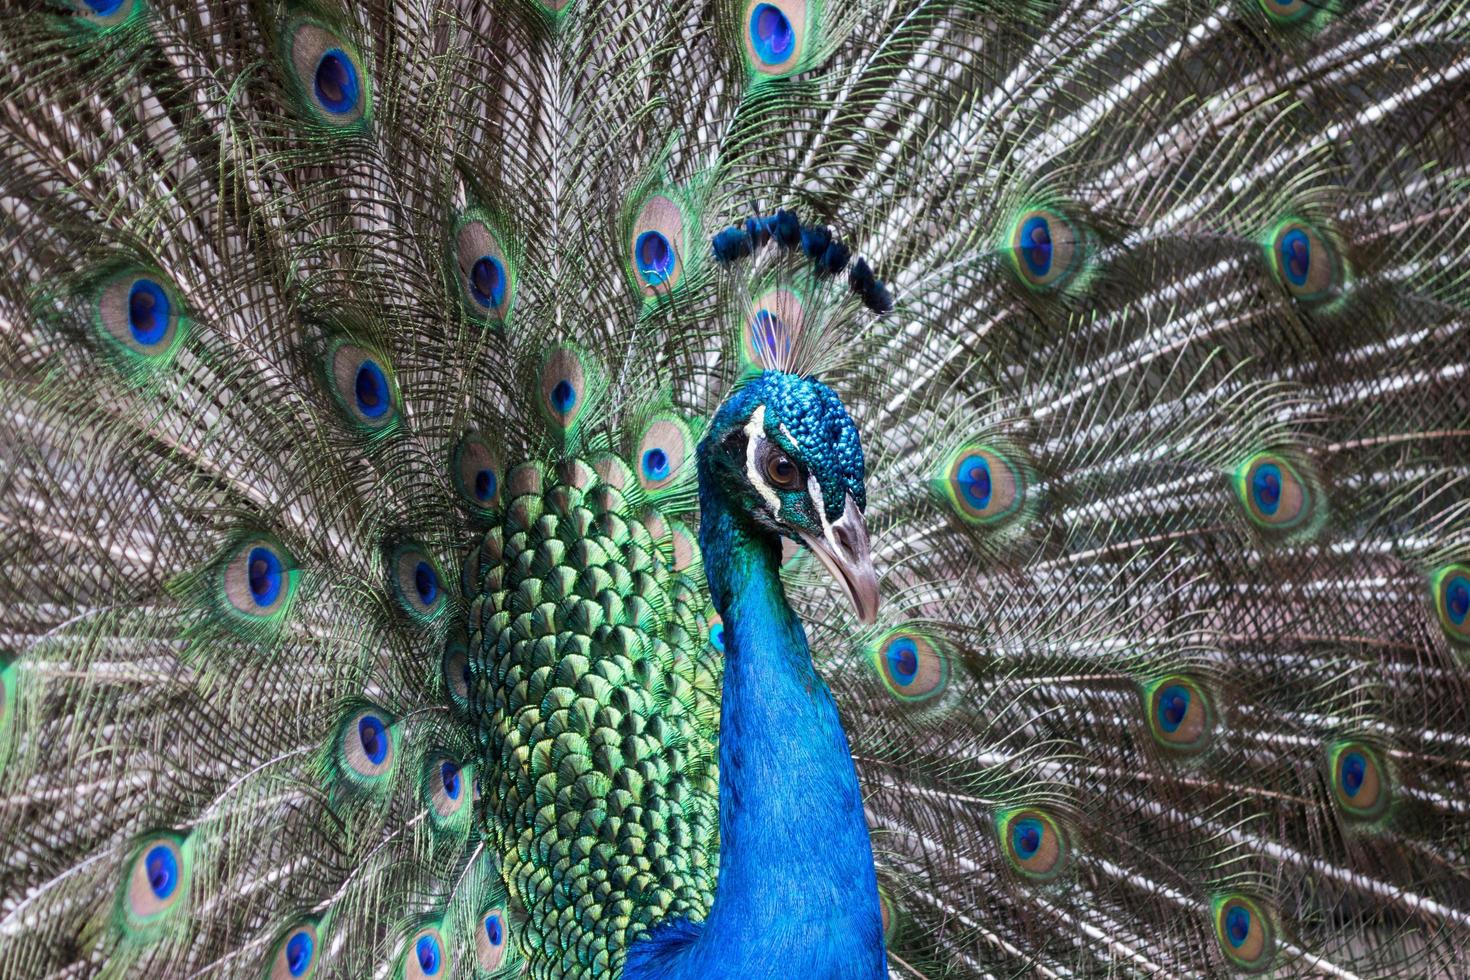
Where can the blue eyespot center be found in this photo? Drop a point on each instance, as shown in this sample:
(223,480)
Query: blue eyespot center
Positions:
(974,481)
(371,390)
(426,583)
(655,257)
(1457,599)
(148,310)
(374,739)
(1026,837)
(298,953)
(336,82)
(656,464)
(104,8)
(1036,247)
(1353,769)
(770,34)
(163,871)
(487,281)
(717,636)
(449,776)
(264,573)
(427,951)
(494,930)
(903,661)
(769,336)
(484,484)
(563,396)
(1237,925)
(1266,487)
(1296,256)
(1173,706)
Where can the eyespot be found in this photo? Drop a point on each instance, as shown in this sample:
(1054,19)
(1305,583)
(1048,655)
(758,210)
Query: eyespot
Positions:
(773,330)
(654,255)
(565,393)
(656,245)
(425,956)
(295,955)
(1273,492)
(1245,934)
(769,339)
(140,313)
(363,385)
(476,472)
(1033,842)
(1451,588)
(1359,782)
(486,273)
(328,75)
(1303,259)
(416,583)
(106,13)
(1289,11)
(1044,248)
(490,943)
(367,745)
(775,35)
(447,791)
(913,666)
(156,880)
(458,679)
(664,453)
(716,632)
(1179,714)
(980,485)
(260,578)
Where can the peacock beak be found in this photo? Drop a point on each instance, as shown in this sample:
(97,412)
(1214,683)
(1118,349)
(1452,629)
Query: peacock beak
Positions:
(844,550)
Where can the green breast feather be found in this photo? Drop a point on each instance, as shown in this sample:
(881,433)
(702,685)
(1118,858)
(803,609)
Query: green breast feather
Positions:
(595,684)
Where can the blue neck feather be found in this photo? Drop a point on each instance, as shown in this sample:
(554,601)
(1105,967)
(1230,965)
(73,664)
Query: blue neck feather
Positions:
(797,895)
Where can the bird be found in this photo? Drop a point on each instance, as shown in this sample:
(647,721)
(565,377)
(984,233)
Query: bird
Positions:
(734,488)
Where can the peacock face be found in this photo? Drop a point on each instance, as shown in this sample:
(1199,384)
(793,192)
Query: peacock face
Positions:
(786,454)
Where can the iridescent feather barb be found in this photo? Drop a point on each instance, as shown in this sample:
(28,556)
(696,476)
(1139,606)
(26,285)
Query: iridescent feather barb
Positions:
(355,364)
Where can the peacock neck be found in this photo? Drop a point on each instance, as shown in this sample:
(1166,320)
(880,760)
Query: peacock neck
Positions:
(797,894)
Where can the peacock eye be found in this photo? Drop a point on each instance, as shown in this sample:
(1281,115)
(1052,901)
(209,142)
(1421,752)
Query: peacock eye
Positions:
(328,75)
(783,472)
(490,942)
(1359,781)
(1245,933)
(295,953)
(425,955)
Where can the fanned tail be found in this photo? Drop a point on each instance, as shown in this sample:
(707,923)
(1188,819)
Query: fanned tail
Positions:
(1171,470)
(347,351)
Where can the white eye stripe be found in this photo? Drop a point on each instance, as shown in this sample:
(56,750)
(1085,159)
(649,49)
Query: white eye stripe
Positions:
(814,490)
(754,436)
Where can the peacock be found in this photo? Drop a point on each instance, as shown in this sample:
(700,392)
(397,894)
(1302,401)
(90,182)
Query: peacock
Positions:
(734,488)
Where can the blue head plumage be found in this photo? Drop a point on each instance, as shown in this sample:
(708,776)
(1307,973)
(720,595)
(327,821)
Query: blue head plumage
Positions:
(783,455)
(807,422)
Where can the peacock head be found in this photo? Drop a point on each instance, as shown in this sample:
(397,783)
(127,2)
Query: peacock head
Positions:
(785,457)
